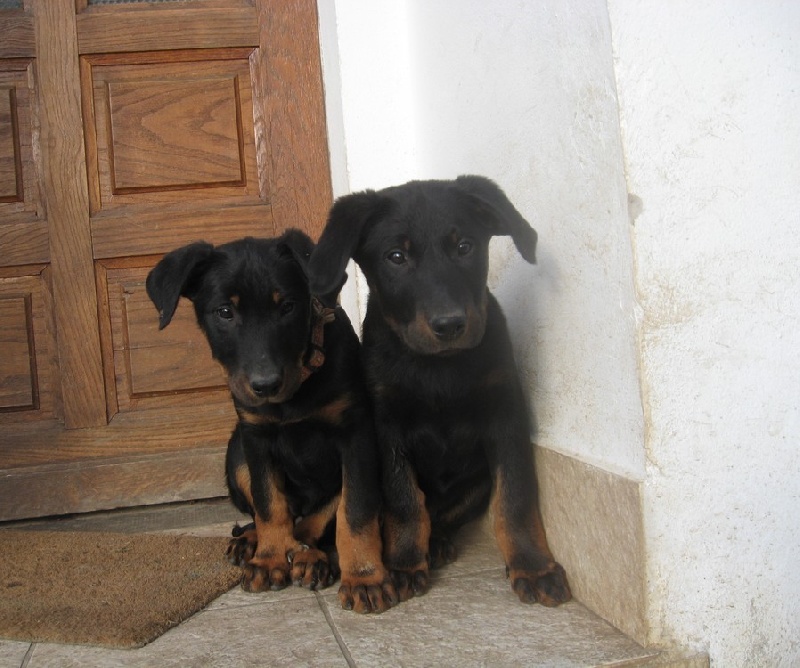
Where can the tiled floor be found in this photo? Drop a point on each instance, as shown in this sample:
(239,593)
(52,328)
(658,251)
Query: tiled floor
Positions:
(470,617)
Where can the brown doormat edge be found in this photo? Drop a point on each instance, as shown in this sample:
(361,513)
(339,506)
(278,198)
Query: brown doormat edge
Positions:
(107,589)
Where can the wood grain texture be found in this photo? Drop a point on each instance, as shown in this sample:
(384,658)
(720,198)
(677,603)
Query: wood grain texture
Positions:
(28,374)
(170,128)
(290,114)
(175,135)
(18,36)
(115,483)
(156,431)
(153,229)
(24,243)
(166,28)
(17,363)
(106,338)
(10,158)
(138,458)
(66,194)
(20,168)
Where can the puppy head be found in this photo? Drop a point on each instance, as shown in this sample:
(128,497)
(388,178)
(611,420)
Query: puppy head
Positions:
(252,301)
(423,248)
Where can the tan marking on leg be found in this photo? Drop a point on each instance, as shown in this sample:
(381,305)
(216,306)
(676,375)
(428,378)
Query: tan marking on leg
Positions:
(242,545)
(269,568)
(243,482)
(366,584)
(276,533)
(309,529)
(506,539)
(547,584)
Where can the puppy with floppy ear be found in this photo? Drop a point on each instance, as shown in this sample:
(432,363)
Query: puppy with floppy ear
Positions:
(452,422)
(302,460)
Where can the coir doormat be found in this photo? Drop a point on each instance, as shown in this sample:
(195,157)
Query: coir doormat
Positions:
(108,589)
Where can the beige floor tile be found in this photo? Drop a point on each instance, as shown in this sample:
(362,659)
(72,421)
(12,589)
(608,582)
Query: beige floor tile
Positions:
(476,620)
(12,653)
(291,633)
(238,598)
(477,551)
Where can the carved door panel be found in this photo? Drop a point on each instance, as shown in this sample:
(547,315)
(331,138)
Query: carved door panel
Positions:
(126,130)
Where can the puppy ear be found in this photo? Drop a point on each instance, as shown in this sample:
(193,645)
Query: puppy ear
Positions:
(297,244)
(341,238)
(175,275)
(505,219)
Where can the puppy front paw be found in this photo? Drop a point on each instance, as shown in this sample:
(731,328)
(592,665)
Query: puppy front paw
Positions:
(242,545)
(263,573)
(310,568)
(409,583)
(442,551)
(368,593)
(549,587)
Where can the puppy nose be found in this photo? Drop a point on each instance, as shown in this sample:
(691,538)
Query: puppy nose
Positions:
(449,327)
(264,386)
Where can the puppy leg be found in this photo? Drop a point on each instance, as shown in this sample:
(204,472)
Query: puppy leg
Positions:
(308,568)
(406,530)
(269,567)
(242,545)
(535,575)
(451,514)
(366,582)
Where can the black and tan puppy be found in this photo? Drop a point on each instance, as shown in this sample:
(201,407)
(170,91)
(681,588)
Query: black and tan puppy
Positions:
(452,421)
(302,460)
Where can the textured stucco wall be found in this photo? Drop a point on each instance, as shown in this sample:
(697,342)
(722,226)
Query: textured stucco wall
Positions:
(710,108)
(523,93)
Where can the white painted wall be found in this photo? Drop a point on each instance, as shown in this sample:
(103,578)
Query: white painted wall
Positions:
(524,92)
(710,108)
(368,82)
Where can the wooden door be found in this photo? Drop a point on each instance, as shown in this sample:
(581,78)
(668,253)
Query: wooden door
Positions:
(128,129)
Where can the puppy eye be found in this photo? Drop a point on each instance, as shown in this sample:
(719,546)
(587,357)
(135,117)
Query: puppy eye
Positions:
(225,312)
(286,307)
(464,247)
(396,257)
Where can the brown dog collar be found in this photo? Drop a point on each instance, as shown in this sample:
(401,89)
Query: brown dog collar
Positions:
(321,315)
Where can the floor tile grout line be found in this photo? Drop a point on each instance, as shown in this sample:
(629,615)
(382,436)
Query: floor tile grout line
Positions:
(28,655)
(337,636)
